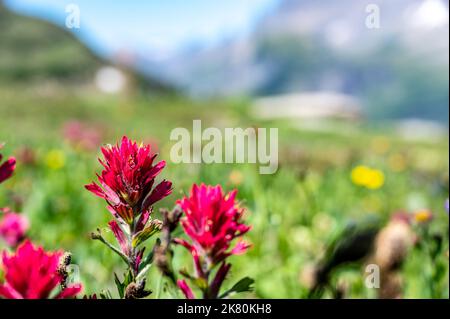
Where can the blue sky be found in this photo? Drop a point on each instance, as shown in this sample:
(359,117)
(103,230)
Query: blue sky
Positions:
(157,26)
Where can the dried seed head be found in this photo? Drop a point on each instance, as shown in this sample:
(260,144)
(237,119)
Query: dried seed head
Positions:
(172,218)
(136,290)
(65,260)
(161,260)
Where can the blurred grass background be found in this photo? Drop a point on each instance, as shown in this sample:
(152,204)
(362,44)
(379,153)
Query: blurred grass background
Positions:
(295,213)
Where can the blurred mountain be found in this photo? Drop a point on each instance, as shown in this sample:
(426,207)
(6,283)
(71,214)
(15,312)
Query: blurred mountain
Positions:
(35,51)
(396,71)
(307,45)
(342,24)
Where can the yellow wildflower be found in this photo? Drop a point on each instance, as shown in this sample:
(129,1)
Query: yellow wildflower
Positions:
(367,177)
(376,179)
(236,177)
(423,216)
(55,159)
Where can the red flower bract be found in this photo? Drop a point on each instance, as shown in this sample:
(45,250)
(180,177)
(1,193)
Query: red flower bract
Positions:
(212,221)
(7,168)
(128,178)
(187,291)
(32,273)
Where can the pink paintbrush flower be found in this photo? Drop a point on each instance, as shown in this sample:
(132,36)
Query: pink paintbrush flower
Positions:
(127,181)
(82,135)
(12,227)
(7,168)
(212,220)
(32,273)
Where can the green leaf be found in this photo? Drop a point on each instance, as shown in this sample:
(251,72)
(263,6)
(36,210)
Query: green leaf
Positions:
(147,260)
(128,278)
(105,294)
(200,283)
(146,233)
(120,286)
(143,273)
(185,274)
(243,285)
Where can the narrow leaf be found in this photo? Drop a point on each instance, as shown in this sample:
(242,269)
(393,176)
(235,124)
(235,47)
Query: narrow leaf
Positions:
(243,285)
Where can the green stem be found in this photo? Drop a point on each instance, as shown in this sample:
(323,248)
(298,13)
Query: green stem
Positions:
(117,251)
(159,287)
